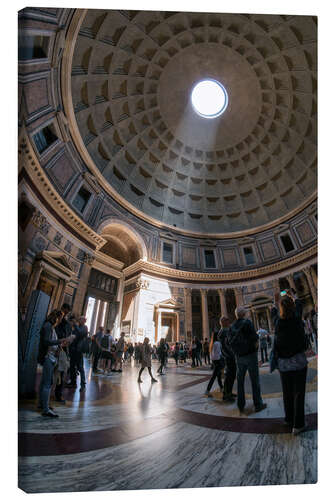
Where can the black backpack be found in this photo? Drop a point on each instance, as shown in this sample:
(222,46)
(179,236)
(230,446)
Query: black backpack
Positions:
(240,339)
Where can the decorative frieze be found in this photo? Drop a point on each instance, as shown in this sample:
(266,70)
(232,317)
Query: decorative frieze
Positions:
(58,238)
(40,221)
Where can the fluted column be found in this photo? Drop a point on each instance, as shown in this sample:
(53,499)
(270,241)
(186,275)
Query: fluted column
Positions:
(204,313)
(313,290)
(223,303)
(83,283)
(93,317)
(314,277)
(276,286)
(239,296)
(188,312)
(269,320)
(291,281)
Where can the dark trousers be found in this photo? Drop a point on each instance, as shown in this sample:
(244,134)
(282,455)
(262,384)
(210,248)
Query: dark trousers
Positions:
(195,361)
(263,352)
(207,358)
(198,356)
(141,370)
(248,363)
(176,358)
(76,364)
(97,355)
(162,365)
(293,387)
(229,377)
(216,374)
(46,384)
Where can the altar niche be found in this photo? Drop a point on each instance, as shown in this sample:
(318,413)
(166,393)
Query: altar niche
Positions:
(166,318)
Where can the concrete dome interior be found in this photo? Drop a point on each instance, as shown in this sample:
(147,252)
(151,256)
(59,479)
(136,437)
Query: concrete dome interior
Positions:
(131,81)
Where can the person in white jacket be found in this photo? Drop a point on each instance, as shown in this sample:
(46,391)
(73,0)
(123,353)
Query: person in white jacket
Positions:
(218,363)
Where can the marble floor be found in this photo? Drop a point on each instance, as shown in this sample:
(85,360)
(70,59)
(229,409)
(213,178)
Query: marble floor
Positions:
(164,435)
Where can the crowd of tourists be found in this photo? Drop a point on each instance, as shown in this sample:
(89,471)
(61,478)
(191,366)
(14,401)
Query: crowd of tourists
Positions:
(231,352)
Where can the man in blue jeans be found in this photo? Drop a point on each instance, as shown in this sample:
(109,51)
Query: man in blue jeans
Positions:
(243,340)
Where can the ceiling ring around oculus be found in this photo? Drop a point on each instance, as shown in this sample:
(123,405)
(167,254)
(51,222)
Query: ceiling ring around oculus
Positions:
(209,98)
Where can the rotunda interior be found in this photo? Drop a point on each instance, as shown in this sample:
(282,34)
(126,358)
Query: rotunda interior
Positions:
(150,218)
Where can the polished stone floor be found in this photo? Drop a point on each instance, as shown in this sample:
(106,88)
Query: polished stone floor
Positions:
(164,435)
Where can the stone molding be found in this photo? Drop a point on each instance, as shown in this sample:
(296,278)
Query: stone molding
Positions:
(264,273)
(29,161)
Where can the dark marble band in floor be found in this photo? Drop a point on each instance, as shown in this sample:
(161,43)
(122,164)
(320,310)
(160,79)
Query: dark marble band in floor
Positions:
(35,444)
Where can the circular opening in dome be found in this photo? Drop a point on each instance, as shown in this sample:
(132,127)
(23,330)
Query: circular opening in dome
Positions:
(209,98)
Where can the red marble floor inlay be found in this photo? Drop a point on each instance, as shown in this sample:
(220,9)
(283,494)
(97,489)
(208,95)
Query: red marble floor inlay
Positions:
(34,444)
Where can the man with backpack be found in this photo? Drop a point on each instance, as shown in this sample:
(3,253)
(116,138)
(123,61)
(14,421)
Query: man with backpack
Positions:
(243,341)
(229,358)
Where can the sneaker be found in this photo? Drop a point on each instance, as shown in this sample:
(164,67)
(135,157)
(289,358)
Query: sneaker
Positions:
(140,381)
(154,380)
(83,388)
(207,393)
(229,398)
(50,413)
(39,407)
(298,430)
(262,407)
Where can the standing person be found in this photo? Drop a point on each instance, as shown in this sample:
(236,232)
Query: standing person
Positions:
(229,358)
(130,351)
(76,355)
(262,333)
(199,351)
(314,321)
(194,353)
(63,330)
(289,349)
(146,360)
(162,354)
(243,341)
(177,352)
(218,363)
(48,353)
(105,344)
(97,351)
(206,352)
(120,347)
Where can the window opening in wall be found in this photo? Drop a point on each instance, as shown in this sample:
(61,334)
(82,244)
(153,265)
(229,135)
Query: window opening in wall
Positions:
(90,311)
(103,314)
(81,199)
(209,258)
(249,255)
(287,243)
(167,253)
(33,47)
(44,138)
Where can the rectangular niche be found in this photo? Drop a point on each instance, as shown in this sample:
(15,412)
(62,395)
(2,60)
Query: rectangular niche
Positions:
(189,256)
(269,250)
(305,232)
(230,257)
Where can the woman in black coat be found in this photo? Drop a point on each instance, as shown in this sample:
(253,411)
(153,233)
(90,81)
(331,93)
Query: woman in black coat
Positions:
(289,350)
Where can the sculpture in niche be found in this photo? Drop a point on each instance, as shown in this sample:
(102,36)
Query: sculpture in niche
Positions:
(40,221)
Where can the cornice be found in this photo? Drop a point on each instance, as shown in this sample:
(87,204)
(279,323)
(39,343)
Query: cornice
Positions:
(28,160)
(275,270)
(66,69)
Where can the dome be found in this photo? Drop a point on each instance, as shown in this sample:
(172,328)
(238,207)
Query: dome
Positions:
(132,74)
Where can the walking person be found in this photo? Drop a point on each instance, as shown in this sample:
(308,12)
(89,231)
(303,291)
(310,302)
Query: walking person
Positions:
(218,363)
(205,348)
(199,352)
(146,353)
(289,351)
(243,341)
(120,347)
(162,355)
(96,350)
(48,354)
(229,358)
(195,361)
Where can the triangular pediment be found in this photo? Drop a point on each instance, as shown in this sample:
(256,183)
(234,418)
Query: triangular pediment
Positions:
(58,257)
(167,303)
